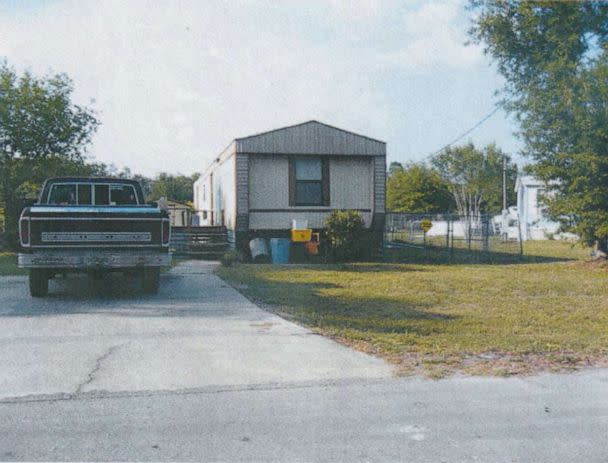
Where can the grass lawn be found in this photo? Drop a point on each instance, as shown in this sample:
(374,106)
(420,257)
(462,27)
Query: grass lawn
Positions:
(8,265)
(436,320)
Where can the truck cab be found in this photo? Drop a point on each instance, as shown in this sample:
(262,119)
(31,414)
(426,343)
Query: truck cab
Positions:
(93,225)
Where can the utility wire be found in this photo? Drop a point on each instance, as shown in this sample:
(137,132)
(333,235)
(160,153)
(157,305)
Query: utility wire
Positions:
(464,134)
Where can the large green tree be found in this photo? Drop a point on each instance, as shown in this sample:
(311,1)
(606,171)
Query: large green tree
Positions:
(42,133)
(475,177)
(417,188)
(175,187)
(554,57)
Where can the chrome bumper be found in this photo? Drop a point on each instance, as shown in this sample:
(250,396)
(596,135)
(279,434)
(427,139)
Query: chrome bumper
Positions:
(93,259)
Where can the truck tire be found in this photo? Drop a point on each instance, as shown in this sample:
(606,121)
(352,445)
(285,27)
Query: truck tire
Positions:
(151,280)
(39,282)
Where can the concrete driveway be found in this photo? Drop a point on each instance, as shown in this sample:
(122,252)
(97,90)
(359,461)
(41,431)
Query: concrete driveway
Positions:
(198,332)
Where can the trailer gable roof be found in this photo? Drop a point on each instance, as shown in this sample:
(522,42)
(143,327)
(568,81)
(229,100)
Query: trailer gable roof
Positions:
(311,137)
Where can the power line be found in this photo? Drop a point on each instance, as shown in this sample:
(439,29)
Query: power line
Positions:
(464,134)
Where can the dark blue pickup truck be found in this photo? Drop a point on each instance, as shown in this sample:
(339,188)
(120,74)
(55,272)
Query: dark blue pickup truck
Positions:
(93,225)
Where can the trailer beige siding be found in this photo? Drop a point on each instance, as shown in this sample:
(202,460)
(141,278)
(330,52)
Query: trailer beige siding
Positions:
(224,194)
(268,181)
(350,184)
(215,192)
(282,221)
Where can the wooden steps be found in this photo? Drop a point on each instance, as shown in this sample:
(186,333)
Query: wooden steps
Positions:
(207,242)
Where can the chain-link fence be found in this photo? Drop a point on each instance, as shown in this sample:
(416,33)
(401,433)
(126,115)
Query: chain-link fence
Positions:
(480,237)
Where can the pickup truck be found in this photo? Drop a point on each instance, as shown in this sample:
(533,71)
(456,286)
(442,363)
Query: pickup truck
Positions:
(93,225)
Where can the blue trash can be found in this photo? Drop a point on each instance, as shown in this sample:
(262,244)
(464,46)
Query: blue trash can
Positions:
(279,249)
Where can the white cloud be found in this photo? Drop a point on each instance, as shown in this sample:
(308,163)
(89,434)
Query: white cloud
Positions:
(436,37)
(359,10)
(174,82)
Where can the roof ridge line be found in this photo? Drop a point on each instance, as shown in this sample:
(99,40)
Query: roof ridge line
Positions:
(309,122)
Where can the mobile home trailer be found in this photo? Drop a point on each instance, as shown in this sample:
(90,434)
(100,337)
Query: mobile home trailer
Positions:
(259,184)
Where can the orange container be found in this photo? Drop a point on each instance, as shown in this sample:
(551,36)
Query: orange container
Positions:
(312,247)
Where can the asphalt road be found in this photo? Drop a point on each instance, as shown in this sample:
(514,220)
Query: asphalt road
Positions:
(98,371)
(548,419)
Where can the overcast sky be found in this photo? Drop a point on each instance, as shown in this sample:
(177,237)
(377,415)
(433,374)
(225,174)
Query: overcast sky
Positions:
(175,81)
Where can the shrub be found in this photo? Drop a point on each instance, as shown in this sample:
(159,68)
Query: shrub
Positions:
(345,235)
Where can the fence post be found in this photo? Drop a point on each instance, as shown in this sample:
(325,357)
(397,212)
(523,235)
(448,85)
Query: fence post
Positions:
(485,230)
(385,232)
(451,235)
(447,233)
(521,242)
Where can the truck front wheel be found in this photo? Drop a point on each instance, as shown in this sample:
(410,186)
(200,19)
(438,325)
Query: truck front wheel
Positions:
(39,282)
(151,280)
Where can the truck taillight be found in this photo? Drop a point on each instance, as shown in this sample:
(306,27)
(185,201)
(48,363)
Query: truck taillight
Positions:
(166,231)
(24,231)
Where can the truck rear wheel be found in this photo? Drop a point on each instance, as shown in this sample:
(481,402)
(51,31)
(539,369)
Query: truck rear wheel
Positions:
(39,282)
(151,280)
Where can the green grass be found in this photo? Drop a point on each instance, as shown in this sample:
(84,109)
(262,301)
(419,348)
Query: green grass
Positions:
(556,249)
(8,265)
(439,319)
(499,253)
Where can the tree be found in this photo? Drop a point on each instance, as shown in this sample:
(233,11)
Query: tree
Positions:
(475,178)
(554,57)
(417,188)
(395,167)
(42,133)
(175,187)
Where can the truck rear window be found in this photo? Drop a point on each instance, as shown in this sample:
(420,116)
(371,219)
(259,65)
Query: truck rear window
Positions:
(115,195)
(84,194)
(63,194)
(122,194)
(101,195)
(106,194)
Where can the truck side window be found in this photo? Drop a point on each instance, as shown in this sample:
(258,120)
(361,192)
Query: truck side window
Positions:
(84,194)
(102,195)
(63,194)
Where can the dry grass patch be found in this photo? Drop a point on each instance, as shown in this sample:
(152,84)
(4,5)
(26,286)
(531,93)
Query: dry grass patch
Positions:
(437,320)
